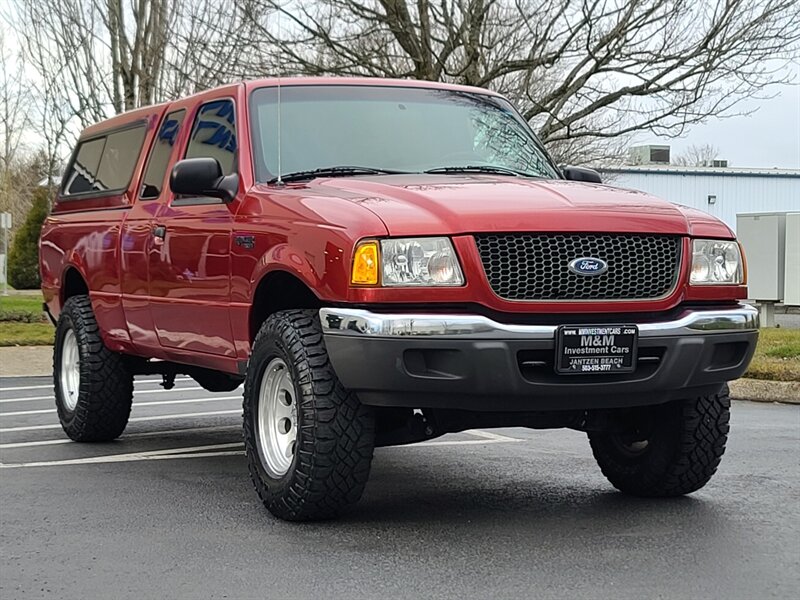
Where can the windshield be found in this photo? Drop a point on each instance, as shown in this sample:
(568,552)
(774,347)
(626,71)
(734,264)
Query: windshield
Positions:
(390,128)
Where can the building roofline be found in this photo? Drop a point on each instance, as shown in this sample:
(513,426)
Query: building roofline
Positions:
(710,171)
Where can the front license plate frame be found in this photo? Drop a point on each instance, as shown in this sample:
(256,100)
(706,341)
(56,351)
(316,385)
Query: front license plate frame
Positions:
(596,349)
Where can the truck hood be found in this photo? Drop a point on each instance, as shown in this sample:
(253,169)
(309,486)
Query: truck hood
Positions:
(458,204)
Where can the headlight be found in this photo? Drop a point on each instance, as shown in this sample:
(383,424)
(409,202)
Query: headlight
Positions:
(420,261)
(716,262)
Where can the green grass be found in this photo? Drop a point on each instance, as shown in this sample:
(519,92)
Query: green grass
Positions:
(26,334)
(777,355)
(31,301)
(22,323)
(25,308)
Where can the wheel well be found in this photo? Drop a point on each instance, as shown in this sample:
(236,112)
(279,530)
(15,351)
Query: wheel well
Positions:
(73,285)
(279,290)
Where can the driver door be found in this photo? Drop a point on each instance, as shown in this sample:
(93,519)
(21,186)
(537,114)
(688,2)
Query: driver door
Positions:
(190,261)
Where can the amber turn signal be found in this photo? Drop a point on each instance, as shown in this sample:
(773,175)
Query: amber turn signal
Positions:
(365,264)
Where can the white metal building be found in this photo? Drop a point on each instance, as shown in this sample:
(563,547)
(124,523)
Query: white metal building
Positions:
(723,192)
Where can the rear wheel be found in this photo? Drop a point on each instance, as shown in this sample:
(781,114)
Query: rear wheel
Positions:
(93,387)
(309,441)
(670,450)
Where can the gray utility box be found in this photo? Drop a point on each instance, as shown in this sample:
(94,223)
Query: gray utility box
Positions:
(791,285)
(764,239)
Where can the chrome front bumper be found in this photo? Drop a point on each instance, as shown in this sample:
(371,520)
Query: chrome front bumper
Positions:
(471,362)
(355,322)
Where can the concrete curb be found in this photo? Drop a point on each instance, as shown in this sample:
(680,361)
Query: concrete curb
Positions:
(759,390)
(22,361)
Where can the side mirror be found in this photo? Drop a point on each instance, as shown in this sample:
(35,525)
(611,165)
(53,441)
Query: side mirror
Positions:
(581,174)
(203,177)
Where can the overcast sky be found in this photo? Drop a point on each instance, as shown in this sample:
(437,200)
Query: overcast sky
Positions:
(768,138)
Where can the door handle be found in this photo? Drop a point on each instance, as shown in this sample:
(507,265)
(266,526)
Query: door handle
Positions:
(159,231)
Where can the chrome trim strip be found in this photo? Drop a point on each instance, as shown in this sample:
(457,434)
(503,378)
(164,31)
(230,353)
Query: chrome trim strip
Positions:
(356,322)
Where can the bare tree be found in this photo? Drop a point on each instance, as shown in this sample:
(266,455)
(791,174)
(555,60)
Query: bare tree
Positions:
(137,52)
(697,156)
(21,164)
(107,53)
(115,55)
(584,72)
(95,58)
(210,44)
(14,100)
(16,177)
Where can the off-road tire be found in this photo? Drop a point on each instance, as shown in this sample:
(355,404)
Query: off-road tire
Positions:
(105,386)
(685,444)
(335,432)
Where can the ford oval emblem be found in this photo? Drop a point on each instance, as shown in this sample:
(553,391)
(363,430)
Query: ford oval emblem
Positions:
(588,266)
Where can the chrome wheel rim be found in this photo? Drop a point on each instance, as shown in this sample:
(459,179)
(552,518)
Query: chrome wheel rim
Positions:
(277,418)
(70,370)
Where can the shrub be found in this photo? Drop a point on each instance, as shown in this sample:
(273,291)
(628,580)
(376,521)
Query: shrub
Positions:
(21,316)
(23,258)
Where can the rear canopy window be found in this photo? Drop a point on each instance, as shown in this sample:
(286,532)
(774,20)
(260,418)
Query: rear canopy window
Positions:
(83,173)
(105,164)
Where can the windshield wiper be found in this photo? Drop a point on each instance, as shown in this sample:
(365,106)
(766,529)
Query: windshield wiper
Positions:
(334,172)
(481,169)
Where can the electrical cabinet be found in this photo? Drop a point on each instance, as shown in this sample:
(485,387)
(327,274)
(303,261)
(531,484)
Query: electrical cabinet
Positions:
(763,236)
(791,281)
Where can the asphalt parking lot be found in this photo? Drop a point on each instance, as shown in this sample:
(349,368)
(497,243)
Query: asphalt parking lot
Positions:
(168,512)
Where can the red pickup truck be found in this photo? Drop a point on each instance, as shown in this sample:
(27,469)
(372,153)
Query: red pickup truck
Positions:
(382,262)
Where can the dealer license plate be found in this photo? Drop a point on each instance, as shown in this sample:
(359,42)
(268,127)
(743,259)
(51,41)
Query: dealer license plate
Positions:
(596,348)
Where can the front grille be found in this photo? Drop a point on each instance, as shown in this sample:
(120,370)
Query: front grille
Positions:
(529,266)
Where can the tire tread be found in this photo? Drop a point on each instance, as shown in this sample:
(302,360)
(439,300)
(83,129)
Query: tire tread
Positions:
(686,457)
(335,452)
(106,384)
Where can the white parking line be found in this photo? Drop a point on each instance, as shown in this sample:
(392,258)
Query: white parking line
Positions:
(45,411)
(213,450)
(491,436)
(122,458)
(130,457)
(124,437)
(153,418)
(26,387)
(460,443)
(20,413)
(50,385)
(135,393)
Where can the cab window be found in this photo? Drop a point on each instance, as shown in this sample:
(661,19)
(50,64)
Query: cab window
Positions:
(214,134)
(161,154)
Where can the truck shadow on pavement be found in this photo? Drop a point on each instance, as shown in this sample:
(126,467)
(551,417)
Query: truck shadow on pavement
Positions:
(450,493)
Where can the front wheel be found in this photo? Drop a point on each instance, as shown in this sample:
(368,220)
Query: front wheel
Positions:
(309,441)
(669,450)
